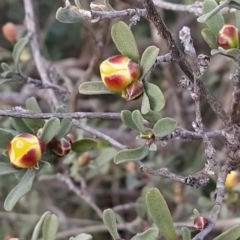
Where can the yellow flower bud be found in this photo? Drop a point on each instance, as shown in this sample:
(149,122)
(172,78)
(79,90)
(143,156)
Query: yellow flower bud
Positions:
(25,150)
(117,72)
(232,179)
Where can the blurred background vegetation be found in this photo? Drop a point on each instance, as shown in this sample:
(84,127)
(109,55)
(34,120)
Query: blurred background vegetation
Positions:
(70,48)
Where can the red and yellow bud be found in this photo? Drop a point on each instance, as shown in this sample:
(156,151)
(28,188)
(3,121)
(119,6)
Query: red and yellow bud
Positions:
(9,31)
(232,179)
(83,160)
(61,147)
(25,150)
(133,91)
(117,72)
(228,37)
(200,223)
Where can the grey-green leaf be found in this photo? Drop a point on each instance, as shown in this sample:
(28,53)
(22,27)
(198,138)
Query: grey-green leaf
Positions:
(124,40)
(215,22)
(84,145)
(7,168)
(32,104)
(6,137)
(209,37)
(109,220)
(5,67)
(82,236)
(148,59)
(38,227)
(186,234)
(237,17)
(155,96)
(50,227)
(149,234)
(65,127)
(145,108)
(152,116)
(23,187)
(164,126)
(94,88)
(160,214)
(17,50)
(126,117)
(138,120)
(233,233)
(129,155)
(50,129)
(69,14)
(20,125)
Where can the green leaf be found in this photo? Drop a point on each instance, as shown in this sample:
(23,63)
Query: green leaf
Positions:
(138,120)
(129,155)
(233,233)
(5,67)
(237,16)
(126,117)
(20,125)
(145,108)
(148,59)
(23,187)
(6,80)
(152,116)
(124,40)
(60,109)
(50,227)
(32,104)
(6,137)
(109,220)
(84,145)
(216,21)
(149,234)
(7,168)
(233,52)
(94,88)
(69,14)
(164,126)
(38,227)
(50,129)
(155,96)
(209,37)
(17,50)
(82,236)
(160,214)
(65,127)
(186,234)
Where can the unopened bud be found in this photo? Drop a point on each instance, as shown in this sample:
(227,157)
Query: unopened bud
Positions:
(133,91)
(200,223)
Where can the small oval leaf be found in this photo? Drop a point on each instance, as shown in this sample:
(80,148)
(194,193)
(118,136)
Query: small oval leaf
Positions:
(237,17)
(20,125)
(160,214)
(17,50)
(38,227)
(215,22)
(164,126)
(126,117)
(124,40)
(233,233)
(23,187)
(148,59)
(5,67)
(50,227)
(7,168)
(65,127)
(145,108)
(129,155)
(94,88)
(209,37)
(138,120)
(149,234)
(82,236)
(155,96)
(152,116)
(68,14)
(186,234)
(32,104)
(6,137)
(84,145)
(50,129)
(109,220)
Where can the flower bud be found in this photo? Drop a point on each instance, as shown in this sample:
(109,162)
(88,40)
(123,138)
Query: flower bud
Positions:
(25,150)
(117,72)
(9,31)
(200,223)
(232,179)
(228,37)
(61,147)
(83,160)
(133,91)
